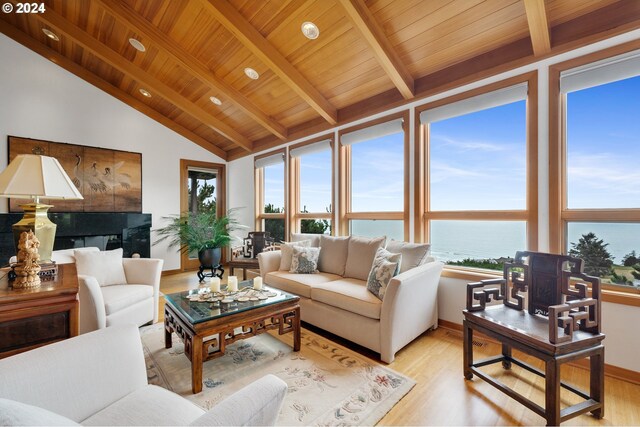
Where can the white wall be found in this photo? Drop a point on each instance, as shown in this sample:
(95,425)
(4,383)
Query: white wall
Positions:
(621,347)
(40,100)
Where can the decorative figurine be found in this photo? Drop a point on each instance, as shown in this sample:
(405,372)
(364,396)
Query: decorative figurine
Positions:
(27,268)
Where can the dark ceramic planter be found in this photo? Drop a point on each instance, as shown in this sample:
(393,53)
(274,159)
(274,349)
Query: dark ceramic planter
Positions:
(210,258)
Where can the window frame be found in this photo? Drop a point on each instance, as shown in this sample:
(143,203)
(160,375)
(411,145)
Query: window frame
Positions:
(559,214)
(423,213)
(260,216)
(344,176)
(294,187)
(187,263)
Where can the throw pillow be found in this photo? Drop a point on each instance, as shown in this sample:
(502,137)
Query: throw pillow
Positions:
(314,238)
(14,413)
(333,254)
(105,266)
(304,260)
(413,254)
(360,257)
(382,271)
(286,252)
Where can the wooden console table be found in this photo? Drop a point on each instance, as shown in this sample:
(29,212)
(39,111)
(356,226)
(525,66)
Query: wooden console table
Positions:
(30,318)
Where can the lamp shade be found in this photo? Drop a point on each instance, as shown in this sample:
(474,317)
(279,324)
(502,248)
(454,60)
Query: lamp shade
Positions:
(32,176)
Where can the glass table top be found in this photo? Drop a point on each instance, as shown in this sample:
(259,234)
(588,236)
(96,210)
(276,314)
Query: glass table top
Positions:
(188,302)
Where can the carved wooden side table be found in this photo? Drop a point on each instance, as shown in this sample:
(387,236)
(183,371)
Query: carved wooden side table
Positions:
(30,318)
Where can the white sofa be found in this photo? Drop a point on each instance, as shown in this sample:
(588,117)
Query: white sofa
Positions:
(133,301)
(342,305)
(100,378)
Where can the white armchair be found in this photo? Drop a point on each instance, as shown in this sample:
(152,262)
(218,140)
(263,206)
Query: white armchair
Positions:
(100,378)
(134,300)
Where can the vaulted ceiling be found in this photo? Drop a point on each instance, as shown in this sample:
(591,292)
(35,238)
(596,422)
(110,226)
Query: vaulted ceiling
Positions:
(370,55)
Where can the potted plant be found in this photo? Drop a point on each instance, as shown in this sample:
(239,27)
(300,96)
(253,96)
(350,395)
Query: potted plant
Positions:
(202,232)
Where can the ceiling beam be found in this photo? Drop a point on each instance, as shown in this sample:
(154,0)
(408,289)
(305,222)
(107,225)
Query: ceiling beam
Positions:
(382,49)
(89,77)
(190,63)
(144,79)
(251,38)
(538,26)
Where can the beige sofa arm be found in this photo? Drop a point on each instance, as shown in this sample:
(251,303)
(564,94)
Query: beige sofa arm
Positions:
(257,404)
(268,261)
(409,308)
(92,312)
(145,271)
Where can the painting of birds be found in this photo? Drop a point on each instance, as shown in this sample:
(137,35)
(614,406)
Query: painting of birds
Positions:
(113,177)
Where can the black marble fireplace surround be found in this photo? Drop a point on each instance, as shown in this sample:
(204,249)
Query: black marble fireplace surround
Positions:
(129,231)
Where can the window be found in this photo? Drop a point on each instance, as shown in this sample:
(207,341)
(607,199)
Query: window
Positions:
(311,165)
(598,208)
(373,182)
(477,185)
(202,189)
(270,200)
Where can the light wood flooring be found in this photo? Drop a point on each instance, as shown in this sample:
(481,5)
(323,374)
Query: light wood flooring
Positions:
(442,396)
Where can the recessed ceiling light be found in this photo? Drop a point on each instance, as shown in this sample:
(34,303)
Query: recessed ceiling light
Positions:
(251,73)
(215,100)
(137,44)
(51,34)
(145,93)
(310,30)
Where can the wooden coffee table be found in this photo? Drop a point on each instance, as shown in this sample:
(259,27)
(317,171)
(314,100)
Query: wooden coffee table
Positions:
(206,328)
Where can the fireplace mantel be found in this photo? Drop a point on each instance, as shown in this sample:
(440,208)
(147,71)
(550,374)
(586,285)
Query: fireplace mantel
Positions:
(108,230)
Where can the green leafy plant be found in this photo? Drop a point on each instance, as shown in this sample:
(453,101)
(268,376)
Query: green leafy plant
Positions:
(597,259)
(196,232)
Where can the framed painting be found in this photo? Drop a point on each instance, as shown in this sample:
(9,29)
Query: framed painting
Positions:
(109,180)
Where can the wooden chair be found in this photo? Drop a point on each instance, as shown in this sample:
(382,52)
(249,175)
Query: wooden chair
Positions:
(561,324)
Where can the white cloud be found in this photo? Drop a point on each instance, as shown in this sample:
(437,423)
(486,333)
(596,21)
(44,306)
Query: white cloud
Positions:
(470,145)
(442,172)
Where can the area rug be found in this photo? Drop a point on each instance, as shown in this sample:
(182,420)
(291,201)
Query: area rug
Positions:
(328,384)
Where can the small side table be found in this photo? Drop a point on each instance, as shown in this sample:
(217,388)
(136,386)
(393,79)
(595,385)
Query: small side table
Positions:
(31,318)
(244,264)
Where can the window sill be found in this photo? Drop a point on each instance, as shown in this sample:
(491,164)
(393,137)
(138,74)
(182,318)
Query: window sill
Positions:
(470,274)
(475,275)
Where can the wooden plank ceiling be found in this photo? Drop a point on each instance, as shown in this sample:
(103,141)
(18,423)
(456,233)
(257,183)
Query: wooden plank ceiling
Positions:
(370,55)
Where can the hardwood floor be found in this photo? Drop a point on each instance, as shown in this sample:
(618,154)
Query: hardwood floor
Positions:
(442,396)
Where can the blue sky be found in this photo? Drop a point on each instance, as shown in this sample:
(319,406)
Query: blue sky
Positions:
(478,161)
(603,143)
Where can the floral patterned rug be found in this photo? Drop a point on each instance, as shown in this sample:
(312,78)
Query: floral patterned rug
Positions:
(328,384)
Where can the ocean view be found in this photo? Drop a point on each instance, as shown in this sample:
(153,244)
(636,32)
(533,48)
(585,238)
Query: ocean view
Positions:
(457,240)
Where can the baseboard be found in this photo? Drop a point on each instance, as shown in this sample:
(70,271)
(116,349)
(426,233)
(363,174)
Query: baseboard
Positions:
(609,370)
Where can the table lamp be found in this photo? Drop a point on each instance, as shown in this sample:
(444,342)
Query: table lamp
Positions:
(31,176)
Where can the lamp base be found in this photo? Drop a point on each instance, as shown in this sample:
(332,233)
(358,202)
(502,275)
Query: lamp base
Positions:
(36,219)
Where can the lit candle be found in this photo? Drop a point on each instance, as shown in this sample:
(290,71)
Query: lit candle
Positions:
(232,284)
(214,283)
(257,283)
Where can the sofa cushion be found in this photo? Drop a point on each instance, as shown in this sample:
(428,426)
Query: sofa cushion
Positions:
(360,258)
(304,260)
(150,405)
(385,266)
(105,266)
(333,254)
(313,238)
(299,284)
(413,254)
(14,413)
(348,294)
(117,297)
(286,252)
